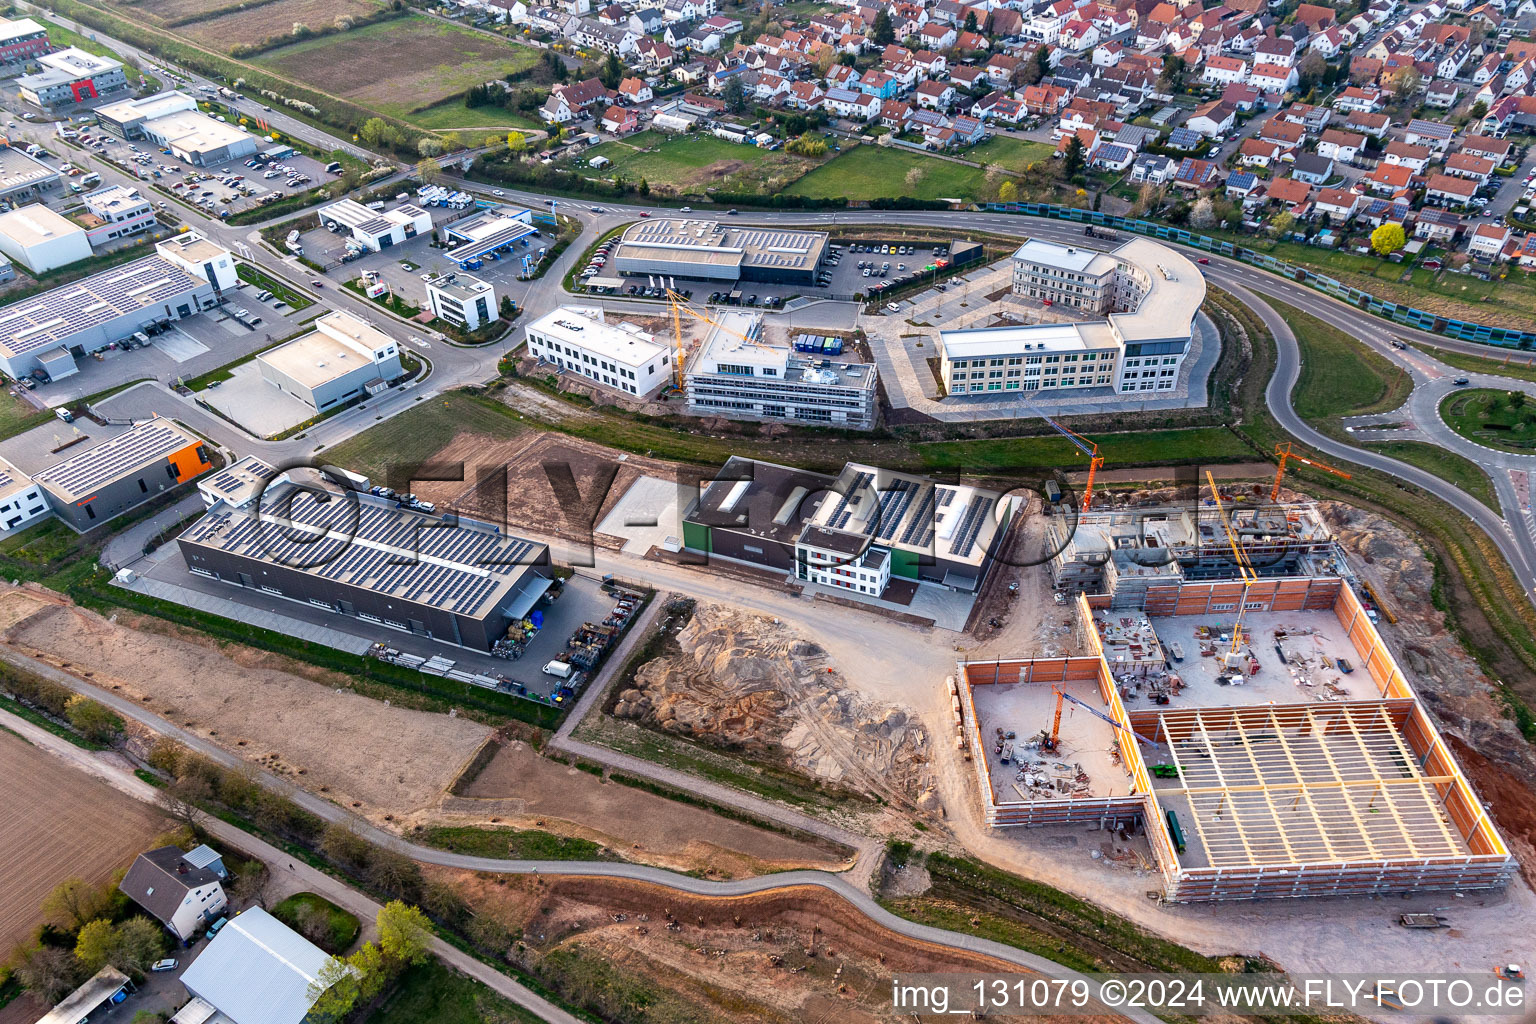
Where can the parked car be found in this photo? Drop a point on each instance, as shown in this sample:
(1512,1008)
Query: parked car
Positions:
(168,964)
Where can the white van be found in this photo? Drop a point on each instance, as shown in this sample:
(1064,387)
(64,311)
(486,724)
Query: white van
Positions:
(558,669)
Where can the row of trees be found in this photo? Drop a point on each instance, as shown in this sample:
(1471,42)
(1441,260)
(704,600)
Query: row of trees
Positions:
(90,718)
(89,927)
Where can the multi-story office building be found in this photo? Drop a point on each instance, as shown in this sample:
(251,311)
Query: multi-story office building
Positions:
(620,356)
(72,76)
(738,373)
(463,300)
(1065,275)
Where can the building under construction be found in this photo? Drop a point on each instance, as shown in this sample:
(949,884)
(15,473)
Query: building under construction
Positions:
(1257,726)
(744,370)
(1133,554)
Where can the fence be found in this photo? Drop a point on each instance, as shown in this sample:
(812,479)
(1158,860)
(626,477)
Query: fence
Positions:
(1462,330)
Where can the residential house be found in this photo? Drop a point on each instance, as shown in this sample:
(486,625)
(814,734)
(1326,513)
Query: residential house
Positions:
(1466,165)
(1196,174)
(1224,70)
(1312,168)
(1153,168)
(1289,192)
(1284,133)
(856,106)
(1336,203)
(1213,118)
(1273,77)
(1389,179)
(1258,153)
(1339,145)
(1449,190)
(1488,242)
(634,92)
(1438,226)
(619,120)
(935,36)
(934,95)
(1415,157)
(182,891)
(1442,93)
(1111,156)
(1366,123)
(1497,150)
(1433,134)
(1377,212)
(1366,99)
(1242,184)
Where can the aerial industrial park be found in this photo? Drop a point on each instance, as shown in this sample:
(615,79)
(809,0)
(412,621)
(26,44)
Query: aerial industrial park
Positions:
(765,512)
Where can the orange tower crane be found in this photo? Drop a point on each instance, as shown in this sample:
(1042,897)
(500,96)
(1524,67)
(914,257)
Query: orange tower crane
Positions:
(1088,448)
(1286,453)
(1245,571)
(1063,696)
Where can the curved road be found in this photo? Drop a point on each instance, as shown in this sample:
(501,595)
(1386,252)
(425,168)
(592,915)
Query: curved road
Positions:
(833,883)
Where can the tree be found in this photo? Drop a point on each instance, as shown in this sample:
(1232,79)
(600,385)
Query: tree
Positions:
(1174,70)
(184,797)
(612,72)
(343,846)
(140,943)
(1517,400)
(884,33)
(428,146)
(1008,192)
(970,21)
(375,130)
(1282,224)
(644,188)
(1203,214)
(734,96)
(334,991)
(517,144)
(508,307)
(74,902)
(428,170)
(372,971)
(48,972)
(1310,72)
(405,935)
(96,945)
(1039,67)
(452,141)
(1073,161)
(94,720)
(1478,112)
(1387,239)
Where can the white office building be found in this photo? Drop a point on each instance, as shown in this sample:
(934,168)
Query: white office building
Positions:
(1148,293)
(738,373)
(343,358)
(376,229)
(42,240)
(21,499)
(620,356)
(463,300)
(119,212)
(201,258)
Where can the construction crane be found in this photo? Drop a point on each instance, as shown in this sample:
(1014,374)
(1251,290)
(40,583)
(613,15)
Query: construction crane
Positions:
(1050,742)
(1245,571)
(1286,453)
(680,306)
(1088,448)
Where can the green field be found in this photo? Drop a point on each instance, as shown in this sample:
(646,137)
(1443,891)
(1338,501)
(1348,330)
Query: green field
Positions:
(1496,419)
(421,432)
(1515,364)
(60,36)
(1446,465)
(1339,375)
(341,926)
(434,994)
(509,843)
(1149,448)
(1013,154)
(875,172)
(452,114)
(400,66)
(690,164)
(17,414)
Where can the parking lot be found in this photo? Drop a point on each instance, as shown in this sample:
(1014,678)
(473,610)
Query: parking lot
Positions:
(219,189)
(406,267)
(184,348)
(850,268)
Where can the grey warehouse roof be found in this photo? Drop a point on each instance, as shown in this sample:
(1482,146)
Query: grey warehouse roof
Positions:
(361,541)
(59,314)
(257,970)
(115,458)
(697,241)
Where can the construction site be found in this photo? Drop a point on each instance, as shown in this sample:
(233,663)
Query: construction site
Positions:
(1254,723)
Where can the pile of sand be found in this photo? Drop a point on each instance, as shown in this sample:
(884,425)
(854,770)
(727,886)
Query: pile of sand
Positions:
(747,682)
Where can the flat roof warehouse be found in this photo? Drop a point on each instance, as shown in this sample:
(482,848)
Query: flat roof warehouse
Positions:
(709,247)
(57,315)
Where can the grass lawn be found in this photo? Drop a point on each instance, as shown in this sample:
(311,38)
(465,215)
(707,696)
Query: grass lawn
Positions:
(510,843)
(433,994)
(399,66)
(421,432)
(1507,303)
(342,926)
(17,414)
(692,163)
(261,279)
(61,37)
(1516,364)
(1448,466)
(1013,154)
(1151,447)
(873,172)
(452,114)
(1496,419)
(1340,376)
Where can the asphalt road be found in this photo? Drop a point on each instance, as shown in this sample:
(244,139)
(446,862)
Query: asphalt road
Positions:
(833,883)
